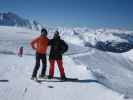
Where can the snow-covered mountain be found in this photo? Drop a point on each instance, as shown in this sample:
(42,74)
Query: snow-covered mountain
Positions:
(36,25)
(113,40)
(12,19)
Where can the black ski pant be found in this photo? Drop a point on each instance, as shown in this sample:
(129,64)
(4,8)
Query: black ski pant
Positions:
(40,57)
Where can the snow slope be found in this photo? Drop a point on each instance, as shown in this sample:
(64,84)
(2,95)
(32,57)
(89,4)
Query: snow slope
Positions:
(15,72)
(20,87)
(113,70)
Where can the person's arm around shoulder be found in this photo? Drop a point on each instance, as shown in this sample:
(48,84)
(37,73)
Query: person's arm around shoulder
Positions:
(50,42)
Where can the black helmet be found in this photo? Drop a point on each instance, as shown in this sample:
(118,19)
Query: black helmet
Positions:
(44,32)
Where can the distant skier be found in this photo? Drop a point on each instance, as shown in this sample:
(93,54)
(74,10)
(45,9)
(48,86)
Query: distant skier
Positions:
(40,45)
(20,51)
(58,48)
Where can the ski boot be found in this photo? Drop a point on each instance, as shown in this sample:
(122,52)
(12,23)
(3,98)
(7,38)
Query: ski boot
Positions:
(63,78)
(43,76)
(34,78)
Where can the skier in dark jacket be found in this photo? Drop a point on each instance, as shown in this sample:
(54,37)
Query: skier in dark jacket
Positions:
(58,48)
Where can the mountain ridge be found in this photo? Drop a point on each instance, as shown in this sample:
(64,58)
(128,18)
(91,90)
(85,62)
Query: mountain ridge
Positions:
(12,19)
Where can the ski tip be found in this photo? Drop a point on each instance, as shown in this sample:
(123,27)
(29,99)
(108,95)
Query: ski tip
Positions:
(4,80)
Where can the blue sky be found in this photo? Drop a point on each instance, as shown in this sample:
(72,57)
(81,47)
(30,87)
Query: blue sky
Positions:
(73,13)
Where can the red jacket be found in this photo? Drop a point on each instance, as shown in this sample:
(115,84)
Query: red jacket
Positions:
(40,44)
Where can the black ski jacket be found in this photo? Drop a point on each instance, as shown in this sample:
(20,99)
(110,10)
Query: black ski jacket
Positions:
(58,48)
